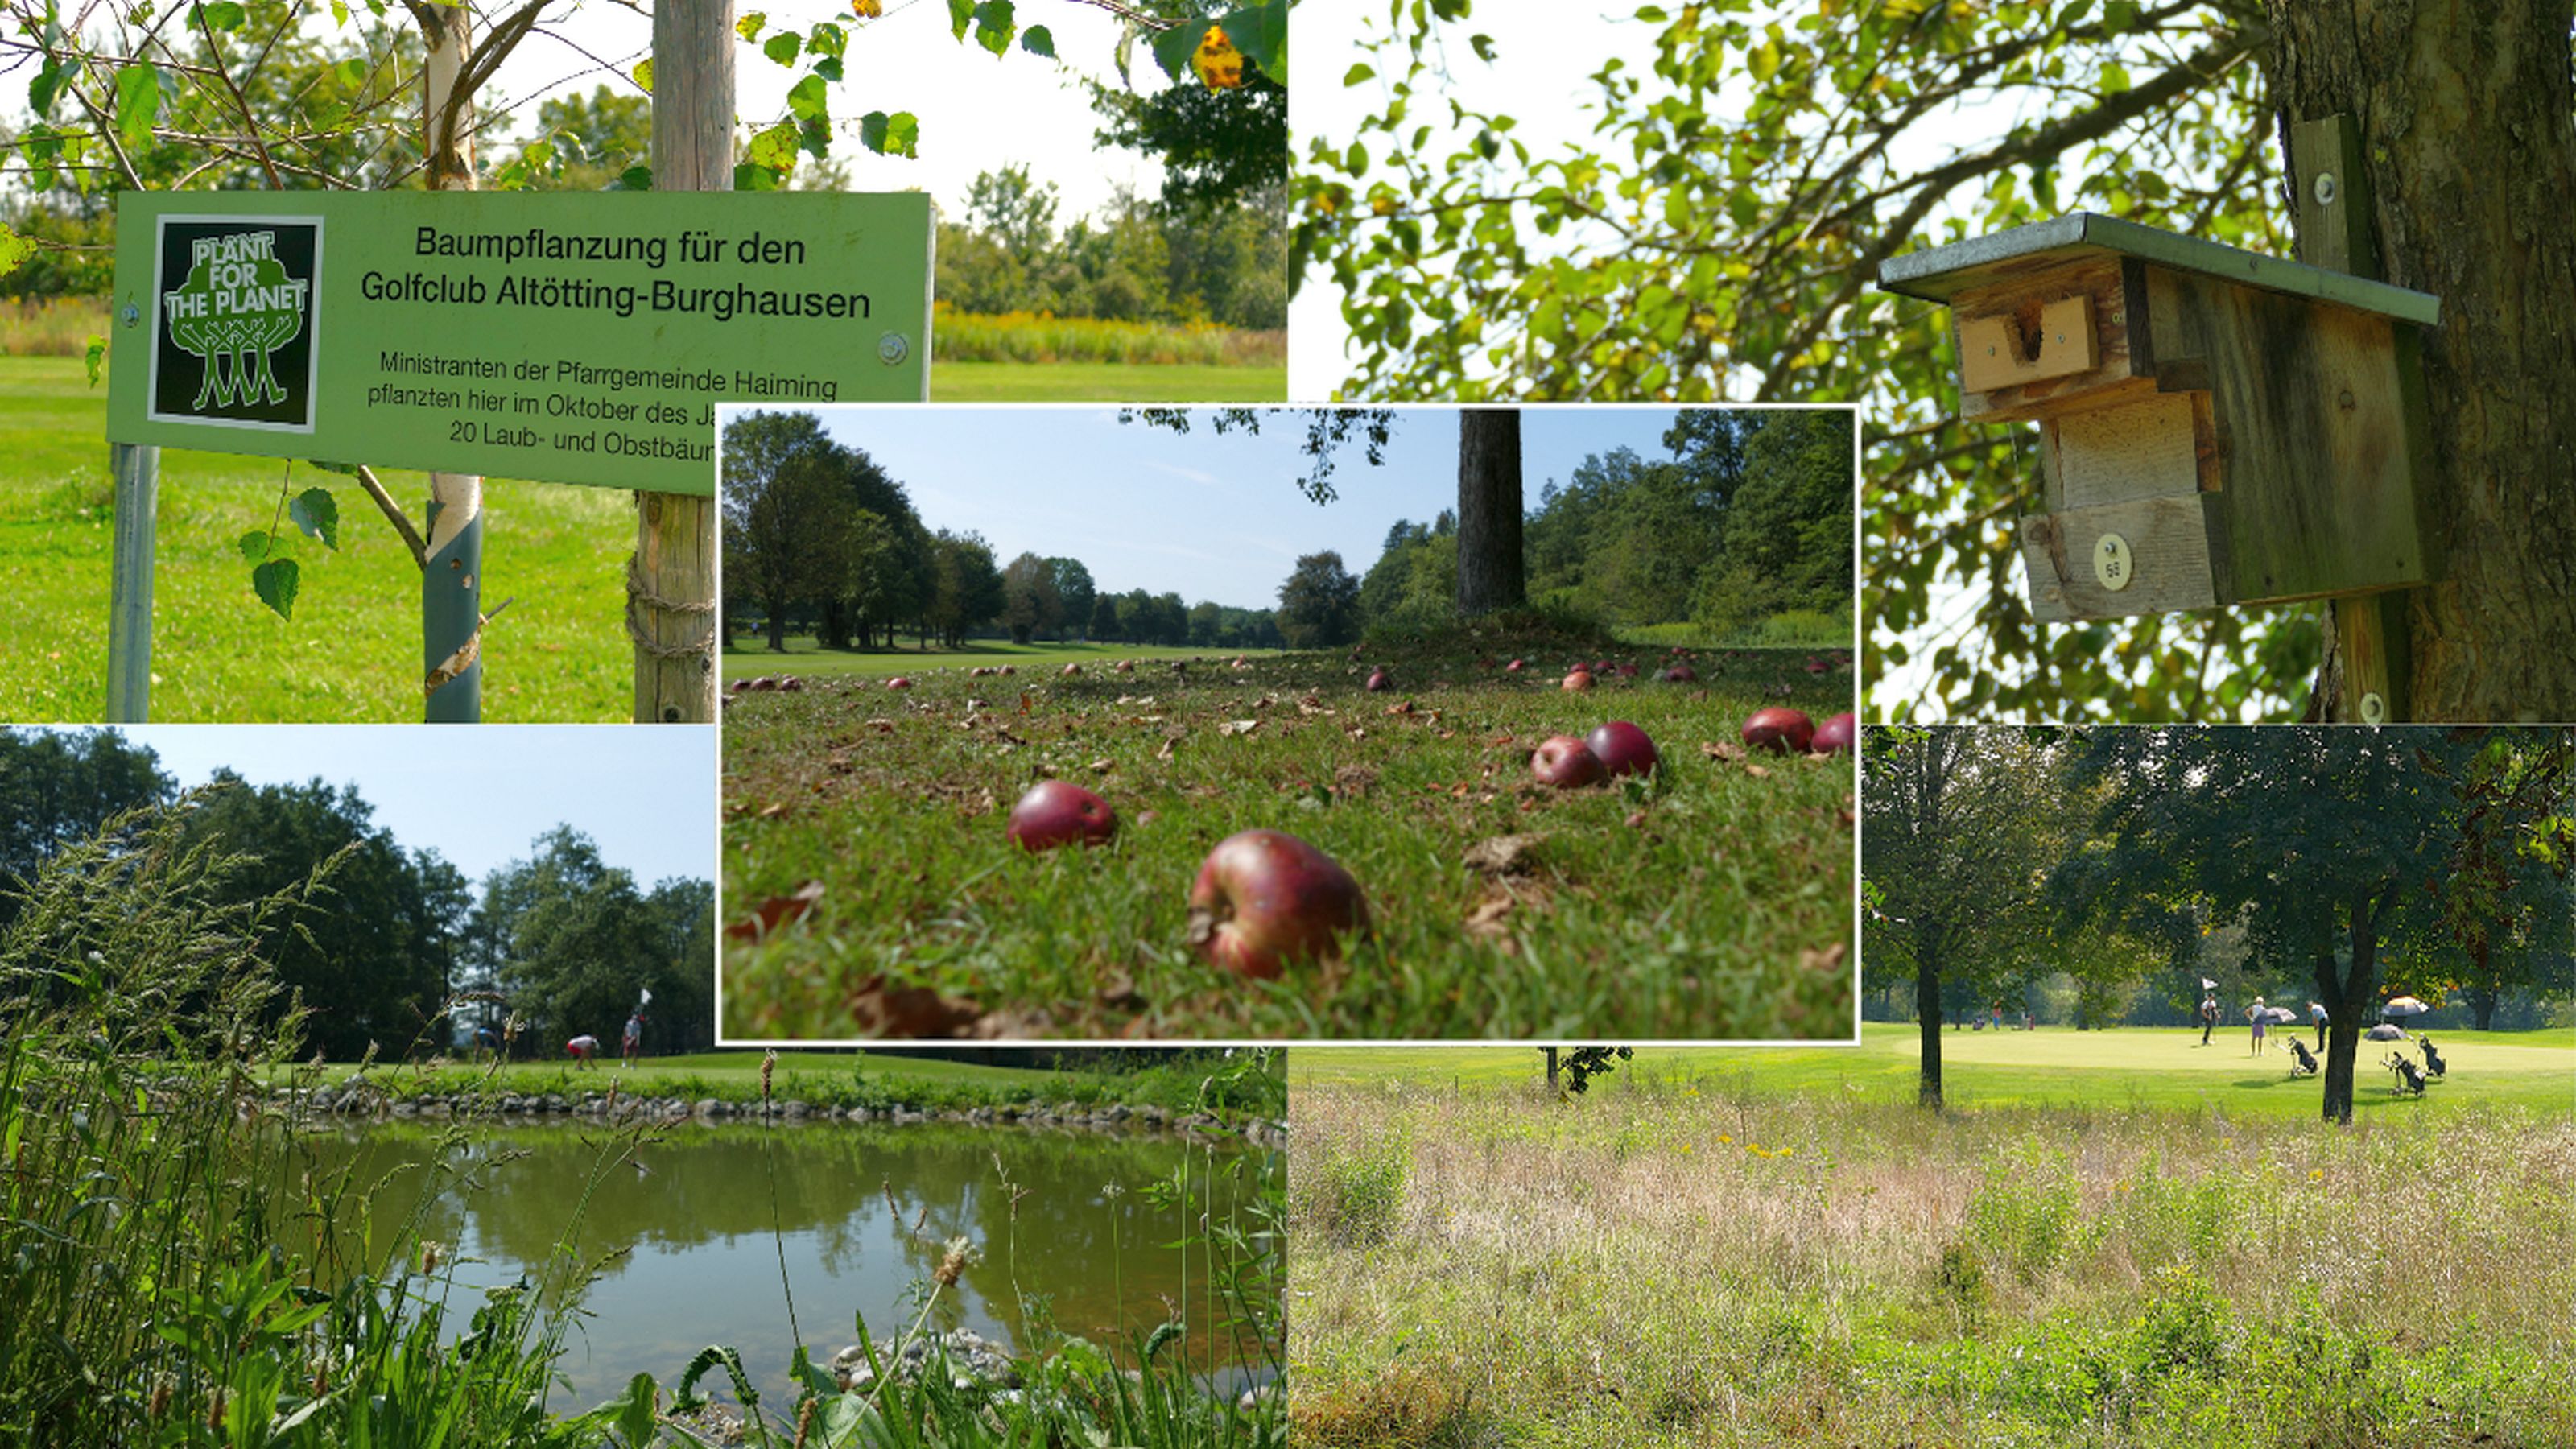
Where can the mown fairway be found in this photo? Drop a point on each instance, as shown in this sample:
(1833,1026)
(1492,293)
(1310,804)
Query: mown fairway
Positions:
(2119,1070)
(751,657)
(1714,903)
(1687,1258)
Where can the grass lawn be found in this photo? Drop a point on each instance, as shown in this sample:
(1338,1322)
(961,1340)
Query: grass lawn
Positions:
(1715,903)
(2129,1067)
(750,657)
(987,382)
(1675,1265)
(352,651)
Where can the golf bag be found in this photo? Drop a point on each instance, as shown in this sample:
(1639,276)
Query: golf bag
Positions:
(2410,1077)
(2303,1062)
(2433,1066)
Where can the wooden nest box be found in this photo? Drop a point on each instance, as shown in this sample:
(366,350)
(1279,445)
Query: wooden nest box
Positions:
(2216,428)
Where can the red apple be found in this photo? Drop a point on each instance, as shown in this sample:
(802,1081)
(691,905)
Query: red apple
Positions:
(1623,749)
(1681,674)
(1009,669)
(1126,666)
(1378,683)
(1627,671)
(791,682)
(1781,730)
(1579,680)
(1057,812)
(898,682)
(765,682)
(1816,666)
(1566,763)
(1264,898)
(1515,666)
(1073,669)
(1834,735)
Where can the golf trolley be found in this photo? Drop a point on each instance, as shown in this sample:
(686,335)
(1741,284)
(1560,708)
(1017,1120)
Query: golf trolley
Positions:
(2433,1064)
(2409,1077)
(2303,1063)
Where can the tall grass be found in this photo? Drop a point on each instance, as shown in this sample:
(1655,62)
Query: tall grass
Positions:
(50,326)
(1043,338)
(1677,1268)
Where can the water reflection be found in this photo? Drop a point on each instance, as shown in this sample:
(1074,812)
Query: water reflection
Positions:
(692,1244)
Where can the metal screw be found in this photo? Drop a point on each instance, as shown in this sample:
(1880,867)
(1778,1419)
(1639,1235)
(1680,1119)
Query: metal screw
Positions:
(2325,188)
(133,314)
(1990,352)
(892,348)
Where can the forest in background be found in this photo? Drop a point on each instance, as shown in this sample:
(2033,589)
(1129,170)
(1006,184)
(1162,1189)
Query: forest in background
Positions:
(560,940)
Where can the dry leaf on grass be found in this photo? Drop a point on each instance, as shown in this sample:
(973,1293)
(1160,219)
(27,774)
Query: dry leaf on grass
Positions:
(885,1010)
(1165,752)
(1757,772)
(777,911)
(1504,854)
(1486,920)
(1721,750)
(1353,782)
(1829,959)
(772,812)
(1238,726)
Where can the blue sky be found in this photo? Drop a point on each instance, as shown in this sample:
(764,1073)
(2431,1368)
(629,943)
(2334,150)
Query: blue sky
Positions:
(1203,516)
(481,795)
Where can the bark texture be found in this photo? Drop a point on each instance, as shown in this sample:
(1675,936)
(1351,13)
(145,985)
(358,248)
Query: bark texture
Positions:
(1490,574)
(2464,111)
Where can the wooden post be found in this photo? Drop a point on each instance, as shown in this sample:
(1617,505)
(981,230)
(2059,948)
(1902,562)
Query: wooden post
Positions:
(2333,181)
(451,579)
(671,585)
(129,622)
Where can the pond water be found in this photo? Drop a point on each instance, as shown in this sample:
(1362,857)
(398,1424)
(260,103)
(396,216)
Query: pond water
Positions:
(1068,1224)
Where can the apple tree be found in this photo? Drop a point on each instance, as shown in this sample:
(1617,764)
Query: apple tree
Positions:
(1571,1069)
(1716,235)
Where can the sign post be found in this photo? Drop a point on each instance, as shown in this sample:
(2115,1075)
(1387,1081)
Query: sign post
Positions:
(572,337)
(129,622)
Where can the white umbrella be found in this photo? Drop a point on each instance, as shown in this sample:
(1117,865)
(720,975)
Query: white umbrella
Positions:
(2404,1006)
(2386,1031)
(2281,1014)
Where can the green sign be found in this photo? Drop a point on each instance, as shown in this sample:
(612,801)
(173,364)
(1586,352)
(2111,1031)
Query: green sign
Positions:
(573,337)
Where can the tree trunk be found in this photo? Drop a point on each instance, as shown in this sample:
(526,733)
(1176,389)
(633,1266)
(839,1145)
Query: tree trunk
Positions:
(1489,511)
(1551,1068)
(451,584)
(2350,1000)
(1927,1011)
(778,626)
(2482,1001)
(2470,155)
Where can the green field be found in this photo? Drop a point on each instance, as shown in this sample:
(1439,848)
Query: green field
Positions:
(749,658)
(2117,1070)
(1715,903)
(352,651)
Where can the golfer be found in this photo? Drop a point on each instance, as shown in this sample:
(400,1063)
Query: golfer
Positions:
(2317,1014)
(634,1041)
(583,1048)
(2258,1013)
(2208,1018)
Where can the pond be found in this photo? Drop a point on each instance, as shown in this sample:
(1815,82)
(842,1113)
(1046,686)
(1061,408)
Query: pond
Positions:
(1071,1228)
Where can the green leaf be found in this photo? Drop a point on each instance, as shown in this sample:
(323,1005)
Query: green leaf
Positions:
(96,356)
(275,582)
(138,103)
(39,144)
(339,12)
(1172,48)
(223,15)
(352,72)
(783,48)
(47,85)
(1483,45)
(995,25)
(257,546)
(961,13)
(643,74)
(634,178)
(774,149)
(829,68)
(318,514)
(1038,40)
(750,26)
(806,100)
(828,38)
(750,177)
(1358,73)
(14,249)
(890,135)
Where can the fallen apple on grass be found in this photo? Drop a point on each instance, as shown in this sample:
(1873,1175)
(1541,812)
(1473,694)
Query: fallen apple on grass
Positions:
(1264,898)
(1623,749)
(1378,682)
(1578,681)
(1515,667)
(1566,763)
(1681,674)
(1780,730)
(1834,735)
(1072,669)
(1059,812)
(898,682)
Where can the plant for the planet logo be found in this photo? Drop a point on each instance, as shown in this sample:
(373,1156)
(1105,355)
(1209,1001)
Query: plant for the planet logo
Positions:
(236,309)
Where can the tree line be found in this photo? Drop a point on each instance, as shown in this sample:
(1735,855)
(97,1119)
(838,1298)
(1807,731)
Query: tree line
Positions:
(817,531)
(560,942)
(1748,519)
(2338,865)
